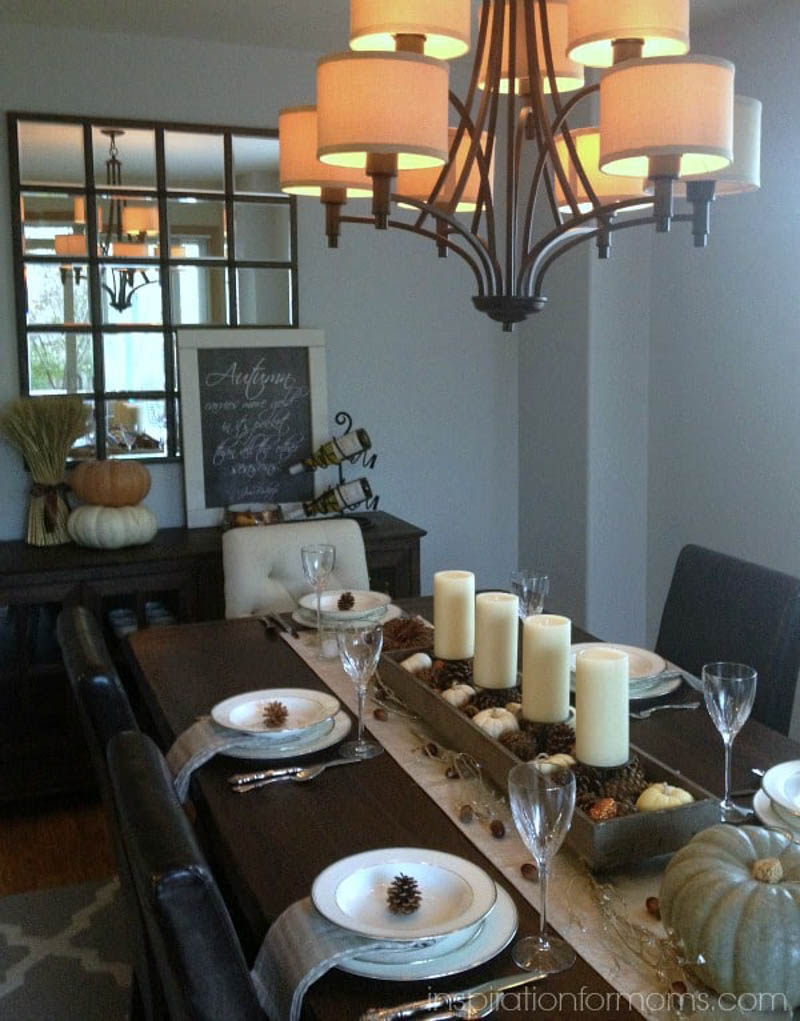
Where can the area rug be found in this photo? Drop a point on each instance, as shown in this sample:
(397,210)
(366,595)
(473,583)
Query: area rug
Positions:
(64,954)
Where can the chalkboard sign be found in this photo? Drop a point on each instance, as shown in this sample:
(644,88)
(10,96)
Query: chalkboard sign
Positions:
(253,403)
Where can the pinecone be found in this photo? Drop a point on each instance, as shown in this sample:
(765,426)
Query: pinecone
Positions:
(522,745)
(403,895)
(627,784)
(274,713)
(346,601)
(588,779)
(490,698)
(454,671)
(559,737)
(585,800)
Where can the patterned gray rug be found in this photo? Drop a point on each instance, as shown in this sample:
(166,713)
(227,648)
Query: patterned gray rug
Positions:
(64,955)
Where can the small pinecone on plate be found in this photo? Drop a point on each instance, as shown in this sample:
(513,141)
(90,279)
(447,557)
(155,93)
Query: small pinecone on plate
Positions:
(274,714)
(346,601)
(560,737)
(521,744)
(404,895)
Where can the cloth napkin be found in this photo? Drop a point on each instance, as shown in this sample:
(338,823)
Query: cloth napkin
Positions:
(201,742)
(300,946)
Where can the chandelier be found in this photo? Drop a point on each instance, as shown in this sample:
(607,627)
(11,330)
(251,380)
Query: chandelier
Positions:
(667,128)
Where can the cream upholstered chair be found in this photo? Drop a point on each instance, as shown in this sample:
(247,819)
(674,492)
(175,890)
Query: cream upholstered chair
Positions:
(264,572)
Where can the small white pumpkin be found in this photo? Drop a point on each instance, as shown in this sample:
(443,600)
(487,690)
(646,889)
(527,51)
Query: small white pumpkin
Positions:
(732,895)
(515,708)
(458,695)
(558,759)
(111,527)
(662,795)
(496,722)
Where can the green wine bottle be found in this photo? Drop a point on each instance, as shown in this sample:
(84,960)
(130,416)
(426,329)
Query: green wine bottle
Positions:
(333,500)
(336,450)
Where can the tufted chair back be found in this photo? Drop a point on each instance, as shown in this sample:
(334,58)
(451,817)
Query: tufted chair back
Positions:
(263,570)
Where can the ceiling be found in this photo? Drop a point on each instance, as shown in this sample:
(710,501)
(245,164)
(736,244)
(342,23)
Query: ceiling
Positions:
(318,25)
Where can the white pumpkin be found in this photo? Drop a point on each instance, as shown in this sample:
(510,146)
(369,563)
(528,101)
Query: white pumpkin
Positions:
(662,795)
(458,695)
(557,759)
(495,722)
(111,527)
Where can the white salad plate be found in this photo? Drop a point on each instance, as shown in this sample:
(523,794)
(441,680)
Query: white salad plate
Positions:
(492,935)
(332,732)
(306,709)
(365,604)
(309,619)
(782,786)
(771,814)
(352,893)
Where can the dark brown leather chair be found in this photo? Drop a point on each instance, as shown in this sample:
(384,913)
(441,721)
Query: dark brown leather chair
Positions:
(721,608)
(194,945)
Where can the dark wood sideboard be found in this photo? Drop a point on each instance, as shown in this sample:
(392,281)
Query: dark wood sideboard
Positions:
(42,750)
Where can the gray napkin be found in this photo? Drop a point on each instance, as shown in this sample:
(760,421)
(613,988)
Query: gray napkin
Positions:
(201,742)
(299,948)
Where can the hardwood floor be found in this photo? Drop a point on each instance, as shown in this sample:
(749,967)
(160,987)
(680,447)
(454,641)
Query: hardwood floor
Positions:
(53,844)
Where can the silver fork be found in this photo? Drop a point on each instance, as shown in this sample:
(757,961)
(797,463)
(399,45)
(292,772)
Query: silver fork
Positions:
(645,714)
(301,776)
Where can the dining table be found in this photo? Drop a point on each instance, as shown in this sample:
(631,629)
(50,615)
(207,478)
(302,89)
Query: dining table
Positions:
(267,847)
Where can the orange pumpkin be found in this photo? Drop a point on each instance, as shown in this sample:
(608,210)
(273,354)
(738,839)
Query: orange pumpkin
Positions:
(110,483)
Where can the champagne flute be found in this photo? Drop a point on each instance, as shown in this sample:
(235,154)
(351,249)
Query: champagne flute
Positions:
(531,587)
(318,561)
(542,798)
(359,650)
(729,690)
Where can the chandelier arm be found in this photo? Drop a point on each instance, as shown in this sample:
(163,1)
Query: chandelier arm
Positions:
(513,146)
(475,242)
(567,108)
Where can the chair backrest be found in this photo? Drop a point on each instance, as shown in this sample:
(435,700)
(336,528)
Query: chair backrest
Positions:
(263,570)
(720,608)
(193,941)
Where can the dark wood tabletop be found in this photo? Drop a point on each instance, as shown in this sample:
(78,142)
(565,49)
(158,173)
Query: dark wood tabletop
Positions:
(267,848)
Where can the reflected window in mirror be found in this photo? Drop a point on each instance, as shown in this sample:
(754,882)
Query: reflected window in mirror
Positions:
(124,232)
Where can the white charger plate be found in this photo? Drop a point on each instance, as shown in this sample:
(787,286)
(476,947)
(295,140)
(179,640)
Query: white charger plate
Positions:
(769,815)
(644,670)
(306,619)
(352,893)
(782,786)
(493,934)
(365,604)
(307,709)
(333,732)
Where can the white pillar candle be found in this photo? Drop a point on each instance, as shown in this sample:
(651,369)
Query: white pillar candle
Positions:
(454,614)
(496,628)
(601,707)
(545,667)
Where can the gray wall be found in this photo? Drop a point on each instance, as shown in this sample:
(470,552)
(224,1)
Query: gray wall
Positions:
(430,378)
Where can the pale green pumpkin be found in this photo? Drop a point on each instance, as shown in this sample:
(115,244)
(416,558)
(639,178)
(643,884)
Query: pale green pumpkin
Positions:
(111,527)
(745,929)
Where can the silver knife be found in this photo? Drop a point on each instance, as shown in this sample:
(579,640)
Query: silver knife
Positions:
(262,774)
(281,623)
(450,1001)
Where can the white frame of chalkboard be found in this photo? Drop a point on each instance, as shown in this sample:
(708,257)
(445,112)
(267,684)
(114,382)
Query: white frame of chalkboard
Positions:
(189,341)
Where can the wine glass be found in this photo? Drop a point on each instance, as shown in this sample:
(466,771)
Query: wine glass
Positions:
(531,587)
(542,797)
(729,690)
(359,650)
(318,561)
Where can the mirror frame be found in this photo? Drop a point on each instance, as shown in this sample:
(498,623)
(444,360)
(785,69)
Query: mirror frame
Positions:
(98,396)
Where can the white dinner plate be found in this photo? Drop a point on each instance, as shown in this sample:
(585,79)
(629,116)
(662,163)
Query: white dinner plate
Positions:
(365,604)
(493,934)
(782,786)
(306,709)
(352,893)
(771,814)
(333,731)
(306,619)
(641,662)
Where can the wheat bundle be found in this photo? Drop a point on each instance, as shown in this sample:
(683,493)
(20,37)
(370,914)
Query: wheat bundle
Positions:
(44,430)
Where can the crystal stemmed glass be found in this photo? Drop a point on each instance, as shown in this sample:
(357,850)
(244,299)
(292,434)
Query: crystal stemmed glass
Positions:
(542,798)
(729,690)
(359,651)
(531,587)
(318,561)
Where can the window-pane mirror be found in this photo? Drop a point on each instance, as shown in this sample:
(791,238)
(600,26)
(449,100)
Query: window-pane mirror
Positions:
(125,230)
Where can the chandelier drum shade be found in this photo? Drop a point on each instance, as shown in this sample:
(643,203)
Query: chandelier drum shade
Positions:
(660,27)
(444,26)
(300,172)
(664,115)
(744,173)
